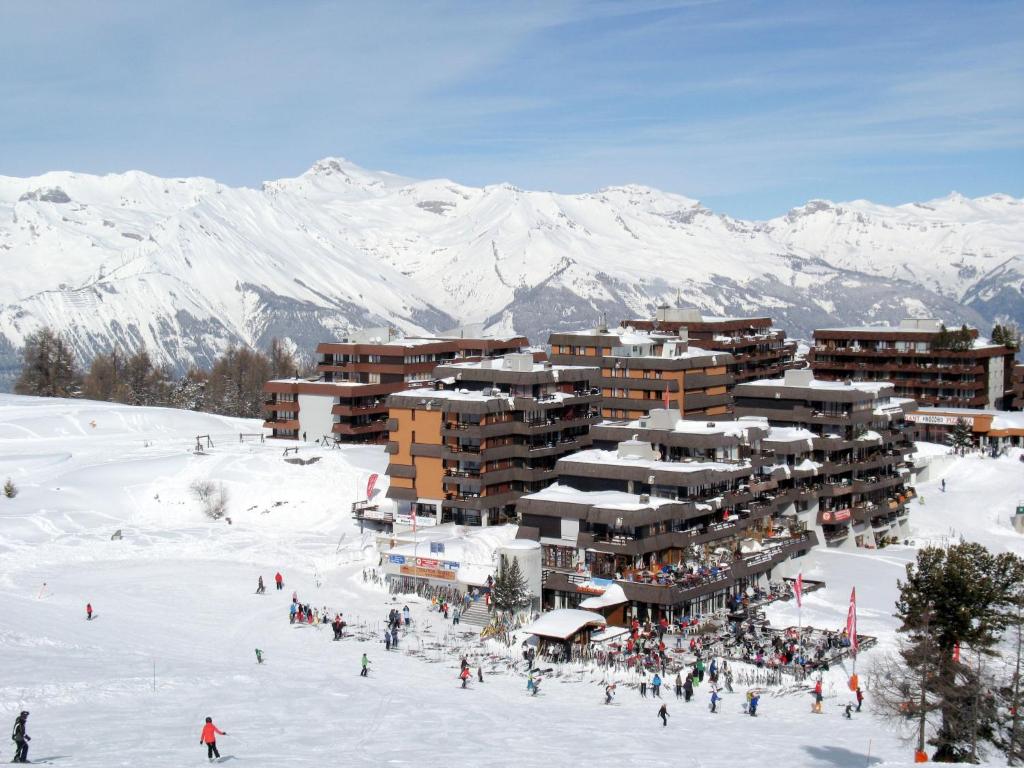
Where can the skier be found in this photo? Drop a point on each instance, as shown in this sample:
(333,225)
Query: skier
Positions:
(480,674)
(728,680)
(656,686)
(860,698)
(643,688)
(260,589)
(259,656)
(464,676)
(663,714)
(365,662)
(536,685)
(752,706)
(816,706)
(20,739)
(209,738)
(847,710)
(406,615)
(387,639)
(943,485)
(688,687)
(292,612)
(609,693)
(279,580)
(455,617)
(88,611)
(679,685)
(715,698)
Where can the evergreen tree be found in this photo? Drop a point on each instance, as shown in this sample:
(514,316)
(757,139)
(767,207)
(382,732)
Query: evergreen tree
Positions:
(282,362)
(960,598)
(188,392)
(48,367)
(235,384)
(10,490)
(942,338)
(960,437)
(510,592)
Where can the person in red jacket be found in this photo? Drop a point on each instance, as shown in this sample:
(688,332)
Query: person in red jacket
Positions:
(209,738)
(279,580)
(88,611)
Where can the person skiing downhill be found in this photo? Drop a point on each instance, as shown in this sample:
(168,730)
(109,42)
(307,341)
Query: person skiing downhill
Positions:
(260,589)
(209,738)
(365,666)
(279,580)
(715,698)
(663,714)
(609,693)
(88,611)
(860,698)
(20,739)
(464,676)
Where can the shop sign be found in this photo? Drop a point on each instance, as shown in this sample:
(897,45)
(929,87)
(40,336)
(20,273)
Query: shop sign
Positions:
(396,559)
(427,573)
(836,516)
(947,421)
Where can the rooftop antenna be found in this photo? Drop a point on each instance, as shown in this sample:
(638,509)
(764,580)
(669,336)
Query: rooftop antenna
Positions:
(679,297)
(603,328)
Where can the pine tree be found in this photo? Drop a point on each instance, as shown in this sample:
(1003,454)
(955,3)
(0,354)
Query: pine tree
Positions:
(942,338)
(960,437)
(510,591)
(959,598)
(48,367)
(10,490)
(282,362)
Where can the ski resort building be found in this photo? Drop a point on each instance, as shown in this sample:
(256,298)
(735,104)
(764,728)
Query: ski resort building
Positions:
(347,400)
(759,350)
(465,449)
(641,370)
(1018,388)
(923,360)
(990,430)
(665,518)
(682,515)
(850,450)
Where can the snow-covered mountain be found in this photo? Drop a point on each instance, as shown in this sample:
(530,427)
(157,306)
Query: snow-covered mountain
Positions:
(188,266)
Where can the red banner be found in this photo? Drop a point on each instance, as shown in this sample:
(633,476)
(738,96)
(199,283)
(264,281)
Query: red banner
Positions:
(370,485)
(851,621)
(798,589)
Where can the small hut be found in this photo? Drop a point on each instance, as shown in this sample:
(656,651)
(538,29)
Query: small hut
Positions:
(611,604)
(565,630)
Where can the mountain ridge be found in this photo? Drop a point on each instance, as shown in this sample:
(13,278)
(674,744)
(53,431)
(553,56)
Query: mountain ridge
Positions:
(188,266)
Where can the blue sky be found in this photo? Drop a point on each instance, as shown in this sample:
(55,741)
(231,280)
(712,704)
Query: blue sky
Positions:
(752,107)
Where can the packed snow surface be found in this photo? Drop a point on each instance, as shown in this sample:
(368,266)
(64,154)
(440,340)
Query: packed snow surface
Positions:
(177,620)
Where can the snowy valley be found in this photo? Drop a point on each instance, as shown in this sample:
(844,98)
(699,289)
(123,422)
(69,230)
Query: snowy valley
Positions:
(177,620)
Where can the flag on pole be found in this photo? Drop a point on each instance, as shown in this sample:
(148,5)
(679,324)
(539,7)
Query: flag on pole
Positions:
(413,515)
(665,398)
(798,589)
(851,621)
(370,485)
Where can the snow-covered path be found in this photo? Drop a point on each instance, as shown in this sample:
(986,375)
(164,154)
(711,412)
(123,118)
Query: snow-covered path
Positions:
(176,594)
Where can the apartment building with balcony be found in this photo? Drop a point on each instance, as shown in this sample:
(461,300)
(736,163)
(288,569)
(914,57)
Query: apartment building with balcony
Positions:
(924,361)
(347,400)
(681,515)
(1017,383)
(759,350)
(641,370)
(844,449)
(465,449)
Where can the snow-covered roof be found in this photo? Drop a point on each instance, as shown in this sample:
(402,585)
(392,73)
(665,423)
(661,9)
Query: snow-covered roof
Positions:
(563,623)
(604,499)
(427,393)
(871,387)
(789,434)
(472,548)
(496,365)
(598,456)
(613,595)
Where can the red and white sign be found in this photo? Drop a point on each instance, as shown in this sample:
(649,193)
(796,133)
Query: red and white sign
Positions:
(798,589)
(370,485)
(851,621)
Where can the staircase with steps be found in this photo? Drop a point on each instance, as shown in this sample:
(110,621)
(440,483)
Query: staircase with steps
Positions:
(477,614)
